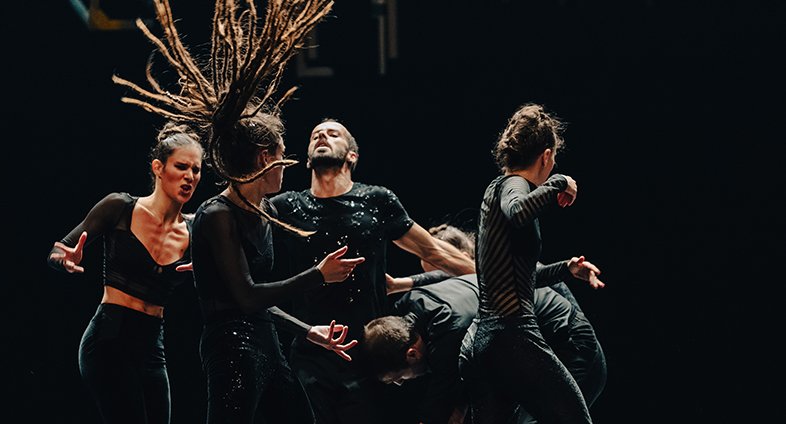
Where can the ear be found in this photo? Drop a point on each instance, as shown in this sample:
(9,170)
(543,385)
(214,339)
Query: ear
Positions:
(546,156)
(264,158)
(413,355)
(157,166)
(352,157)
(415,352)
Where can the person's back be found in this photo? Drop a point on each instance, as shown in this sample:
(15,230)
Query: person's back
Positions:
(442,312)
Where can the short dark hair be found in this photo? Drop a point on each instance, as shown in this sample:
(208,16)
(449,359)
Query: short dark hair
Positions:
(386,340)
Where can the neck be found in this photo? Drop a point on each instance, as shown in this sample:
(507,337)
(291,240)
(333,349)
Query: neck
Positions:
(331,182)
(252,191)
(530,174)
(162,207)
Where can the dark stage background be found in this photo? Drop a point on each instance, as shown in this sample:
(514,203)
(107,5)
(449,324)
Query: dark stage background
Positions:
(674,113)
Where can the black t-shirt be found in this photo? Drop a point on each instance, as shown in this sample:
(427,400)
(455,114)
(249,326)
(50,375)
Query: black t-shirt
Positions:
(365,219)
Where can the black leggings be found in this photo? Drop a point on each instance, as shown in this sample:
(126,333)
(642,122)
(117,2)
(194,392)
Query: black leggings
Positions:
(248,378)
(507,365)
(121,358)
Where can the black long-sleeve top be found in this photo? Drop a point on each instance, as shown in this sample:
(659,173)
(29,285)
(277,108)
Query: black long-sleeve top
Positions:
(509,243)
(233,262)
(128,265)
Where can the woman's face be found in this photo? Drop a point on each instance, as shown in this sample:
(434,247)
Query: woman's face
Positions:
(180,175)
(275,177)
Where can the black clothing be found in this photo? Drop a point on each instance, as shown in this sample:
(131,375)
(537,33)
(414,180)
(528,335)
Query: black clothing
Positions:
(365,219)
(128,265)
(121,355)
(441,313)
(121,358)
(508,249)
(581,353)
(440,304)
(247,373)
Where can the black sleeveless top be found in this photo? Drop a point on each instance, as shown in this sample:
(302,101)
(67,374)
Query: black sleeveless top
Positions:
(128,265)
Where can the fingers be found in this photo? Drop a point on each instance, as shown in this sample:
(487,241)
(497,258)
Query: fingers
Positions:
(595,282)
(338,253)
(62,247)
(81,243)
(342,336)
(71,267)
(184,268)
(592,267)
(341,350)
(355,261)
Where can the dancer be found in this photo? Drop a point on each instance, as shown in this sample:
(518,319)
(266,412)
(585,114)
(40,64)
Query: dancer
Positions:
(508,249)
(121,354)
(366,218)
(247,374)
(422,339)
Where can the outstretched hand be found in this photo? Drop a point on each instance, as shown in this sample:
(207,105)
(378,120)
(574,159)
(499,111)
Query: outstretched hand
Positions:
(334,269)
(322,335)
(70,257)
(585,270)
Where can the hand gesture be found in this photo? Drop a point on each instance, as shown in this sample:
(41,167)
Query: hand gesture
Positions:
(585,270)
(322,335)
(568,196)
(397,285)
(334,269)
(185,267)
(70,257)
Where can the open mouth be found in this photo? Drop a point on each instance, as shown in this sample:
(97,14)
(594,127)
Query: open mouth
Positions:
(185,188)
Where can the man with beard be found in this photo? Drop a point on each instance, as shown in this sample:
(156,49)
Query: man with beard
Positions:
(364,217)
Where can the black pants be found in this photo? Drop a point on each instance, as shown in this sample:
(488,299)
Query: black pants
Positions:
(339,391)
(121,359)
(248,378)
(507,365)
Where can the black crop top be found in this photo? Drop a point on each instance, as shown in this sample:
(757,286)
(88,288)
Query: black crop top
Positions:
(128,265)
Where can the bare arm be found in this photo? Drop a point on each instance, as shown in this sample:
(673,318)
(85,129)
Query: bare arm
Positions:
(439,253)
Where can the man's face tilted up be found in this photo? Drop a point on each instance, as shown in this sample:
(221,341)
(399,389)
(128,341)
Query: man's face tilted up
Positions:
(329,146)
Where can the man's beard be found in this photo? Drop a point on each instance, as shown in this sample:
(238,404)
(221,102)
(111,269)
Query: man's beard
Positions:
(327,161)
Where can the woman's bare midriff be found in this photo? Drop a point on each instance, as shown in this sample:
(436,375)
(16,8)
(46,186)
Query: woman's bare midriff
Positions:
(117,297)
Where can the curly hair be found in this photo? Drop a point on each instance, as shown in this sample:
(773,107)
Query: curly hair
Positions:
(529,132)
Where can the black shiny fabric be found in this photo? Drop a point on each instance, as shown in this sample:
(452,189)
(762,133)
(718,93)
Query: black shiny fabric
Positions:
(248,378)
(506,363)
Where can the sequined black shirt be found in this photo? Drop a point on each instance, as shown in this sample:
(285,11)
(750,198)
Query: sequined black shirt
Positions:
(367,219)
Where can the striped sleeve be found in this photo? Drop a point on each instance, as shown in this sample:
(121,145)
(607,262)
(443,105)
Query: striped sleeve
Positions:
(521,205)
(546,275)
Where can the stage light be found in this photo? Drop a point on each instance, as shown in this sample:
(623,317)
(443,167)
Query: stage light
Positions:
(110,15)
